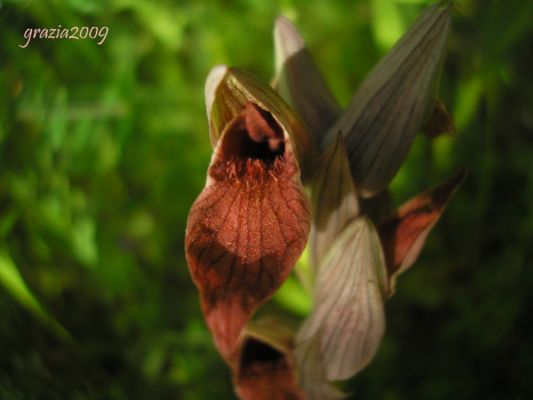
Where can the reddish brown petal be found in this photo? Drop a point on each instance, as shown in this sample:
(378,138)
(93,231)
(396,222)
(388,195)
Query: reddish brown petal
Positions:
(265,369)
(248,227)
(269,378)
(229,90)
(403,235)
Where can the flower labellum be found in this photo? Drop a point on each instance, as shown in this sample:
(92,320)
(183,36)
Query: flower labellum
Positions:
(227,92)
(250,223)
(266,367)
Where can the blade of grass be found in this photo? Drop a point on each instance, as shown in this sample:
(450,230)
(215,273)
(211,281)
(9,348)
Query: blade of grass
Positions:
(13,282)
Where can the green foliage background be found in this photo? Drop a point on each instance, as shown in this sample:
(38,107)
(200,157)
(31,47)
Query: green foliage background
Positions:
(104,148)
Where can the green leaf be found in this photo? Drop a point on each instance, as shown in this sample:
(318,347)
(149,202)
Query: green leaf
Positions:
(13,282)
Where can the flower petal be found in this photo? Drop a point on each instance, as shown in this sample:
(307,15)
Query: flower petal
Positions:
(393,102)
(349,300)
(403,236)
(311,370)
(266,368)
(249,225)
(333,199)
(227,92)
(299,81)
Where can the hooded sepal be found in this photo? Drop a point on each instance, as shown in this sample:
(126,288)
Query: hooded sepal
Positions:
(350,291)
(299,81)
(403,235)
(333,198)
(228,90)
(393,102)
(311,370)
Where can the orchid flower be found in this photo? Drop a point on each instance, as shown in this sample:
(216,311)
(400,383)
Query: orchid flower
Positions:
(253,219)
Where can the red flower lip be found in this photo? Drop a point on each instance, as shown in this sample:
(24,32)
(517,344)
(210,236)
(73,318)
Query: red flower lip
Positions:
(248,227)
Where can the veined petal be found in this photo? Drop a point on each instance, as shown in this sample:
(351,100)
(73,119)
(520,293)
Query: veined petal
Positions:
(350,291)
(333,198)
(403,236)
(299,81)
(227,92)
(311,368)
(266,368)
(248,226)
(393,102)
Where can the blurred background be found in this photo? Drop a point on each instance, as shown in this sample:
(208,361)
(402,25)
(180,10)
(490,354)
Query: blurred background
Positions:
(103,149)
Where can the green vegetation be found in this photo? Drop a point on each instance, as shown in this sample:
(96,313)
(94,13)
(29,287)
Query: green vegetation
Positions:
(103,149)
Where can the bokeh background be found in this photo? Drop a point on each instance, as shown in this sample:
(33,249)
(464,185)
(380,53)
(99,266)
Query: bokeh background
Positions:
(103,149)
